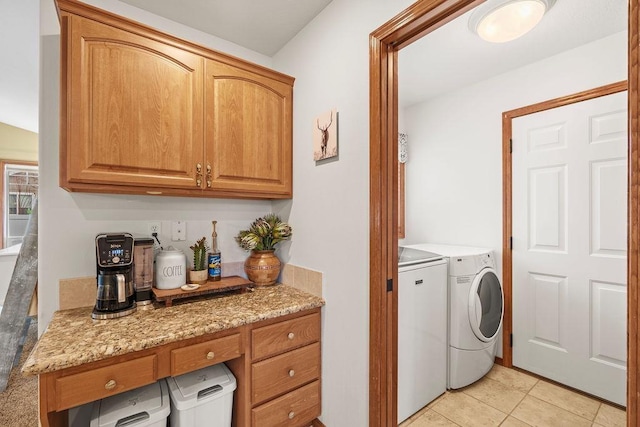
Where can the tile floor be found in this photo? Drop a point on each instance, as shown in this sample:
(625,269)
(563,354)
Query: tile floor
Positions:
(506,397)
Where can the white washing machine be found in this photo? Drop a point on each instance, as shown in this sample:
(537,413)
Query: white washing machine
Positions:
(476,306)
(422,329)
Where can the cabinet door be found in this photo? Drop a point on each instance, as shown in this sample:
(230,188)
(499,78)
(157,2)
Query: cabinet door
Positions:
(133,109)
(248,141)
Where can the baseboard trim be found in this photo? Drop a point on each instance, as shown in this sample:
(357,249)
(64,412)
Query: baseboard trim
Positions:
(499,361)
(317,423)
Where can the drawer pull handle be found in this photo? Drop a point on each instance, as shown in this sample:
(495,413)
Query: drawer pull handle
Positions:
(291,335)
(291,373)
(291,415)
(210,355)
(110,385)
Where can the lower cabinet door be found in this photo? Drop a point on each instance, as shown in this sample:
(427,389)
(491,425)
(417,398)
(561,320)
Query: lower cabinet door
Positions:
(295,409)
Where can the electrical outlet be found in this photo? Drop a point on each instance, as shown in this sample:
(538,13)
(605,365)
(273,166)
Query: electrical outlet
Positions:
(178,231)
(153,227)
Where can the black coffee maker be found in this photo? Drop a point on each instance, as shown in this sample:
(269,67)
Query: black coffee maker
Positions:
(114,264)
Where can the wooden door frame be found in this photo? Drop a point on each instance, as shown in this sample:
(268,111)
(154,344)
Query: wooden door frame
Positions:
(384,44)
(507,207)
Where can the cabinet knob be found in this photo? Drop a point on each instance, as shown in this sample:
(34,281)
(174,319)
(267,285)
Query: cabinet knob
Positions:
(198,182)
(198,168)
(210,355)
(291,373)
(110,385)
(208,169)
(291,415)
(208,183)
(291,335)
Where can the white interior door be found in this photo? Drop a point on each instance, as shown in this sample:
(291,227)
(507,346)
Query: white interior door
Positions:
(569,172)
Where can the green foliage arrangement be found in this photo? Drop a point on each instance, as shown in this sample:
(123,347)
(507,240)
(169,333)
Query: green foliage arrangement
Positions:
(200,254)
(264,233)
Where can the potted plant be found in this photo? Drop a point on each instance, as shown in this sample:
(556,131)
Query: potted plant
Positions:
(199,274)
(263,266)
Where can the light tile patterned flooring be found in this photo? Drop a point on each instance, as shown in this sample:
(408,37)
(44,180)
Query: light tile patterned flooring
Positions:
(506,397)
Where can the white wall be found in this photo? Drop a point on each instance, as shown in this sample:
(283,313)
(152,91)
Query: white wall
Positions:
(454,172)
(330,210)
(68,222)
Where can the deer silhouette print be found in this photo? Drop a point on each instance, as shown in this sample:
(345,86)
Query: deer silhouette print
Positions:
(324,135)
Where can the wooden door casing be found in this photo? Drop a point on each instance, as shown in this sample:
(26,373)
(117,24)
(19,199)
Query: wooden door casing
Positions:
(408,26)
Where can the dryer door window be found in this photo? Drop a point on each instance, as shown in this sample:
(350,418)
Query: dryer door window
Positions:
(486,305)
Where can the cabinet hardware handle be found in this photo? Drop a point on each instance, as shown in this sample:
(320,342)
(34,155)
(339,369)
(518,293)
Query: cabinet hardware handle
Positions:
(110,385)
(198,175)
(291,415)
(208,176)
(291,335)
(291,373)
(210,355)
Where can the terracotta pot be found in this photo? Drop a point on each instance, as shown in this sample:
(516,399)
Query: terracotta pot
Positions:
(262,267)
(198,276)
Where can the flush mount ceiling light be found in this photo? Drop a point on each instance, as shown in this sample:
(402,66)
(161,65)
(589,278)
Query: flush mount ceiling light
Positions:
(500,21)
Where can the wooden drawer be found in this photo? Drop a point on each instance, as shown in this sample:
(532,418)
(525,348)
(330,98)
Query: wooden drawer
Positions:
(295,409)
(284,336)
(283,373)
(196,356)
(74,390)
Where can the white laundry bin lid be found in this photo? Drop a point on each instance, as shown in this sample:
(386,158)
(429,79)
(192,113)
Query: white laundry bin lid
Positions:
(139,407)
(201,386)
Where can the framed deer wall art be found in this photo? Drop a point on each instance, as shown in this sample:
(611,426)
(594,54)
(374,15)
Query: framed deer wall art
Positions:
(325,135)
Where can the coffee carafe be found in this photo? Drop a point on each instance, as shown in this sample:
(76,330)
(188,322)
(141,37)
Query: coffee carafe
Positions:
(115,296)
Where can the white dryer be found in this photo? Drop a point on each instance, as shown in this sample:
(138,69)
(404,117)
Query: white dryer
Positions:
(476,306)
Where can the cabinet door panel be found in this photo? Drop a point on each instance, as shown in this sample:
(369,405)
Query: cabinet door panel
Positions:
(248,131)
(134,109)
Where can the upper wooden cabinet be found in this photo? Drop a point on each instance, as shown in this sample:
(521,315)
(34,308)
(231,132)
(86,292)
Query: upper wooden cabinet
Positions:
(143,112)
(247,130)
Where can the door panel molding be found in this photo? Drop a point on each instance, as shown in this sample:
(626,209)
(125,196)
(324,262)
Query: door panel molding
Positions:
(507,259)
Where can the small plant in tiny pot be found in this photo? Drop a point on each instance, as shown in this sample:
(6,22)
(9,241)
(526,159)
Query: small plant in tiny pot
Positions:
(199,273)
(263,266)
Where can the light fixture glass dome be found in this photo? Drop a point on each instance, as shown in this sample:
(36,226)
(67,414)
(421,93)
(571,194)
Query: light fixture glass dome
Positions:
(500,21)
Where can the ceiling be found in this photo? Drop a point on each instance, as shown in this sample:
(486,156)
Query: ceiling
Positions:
(435,64)
(453,56)
(264,26)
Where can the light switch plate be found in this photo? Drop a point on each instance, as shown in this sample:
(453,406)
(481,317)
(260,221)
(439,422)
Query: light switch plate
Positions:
(178,231)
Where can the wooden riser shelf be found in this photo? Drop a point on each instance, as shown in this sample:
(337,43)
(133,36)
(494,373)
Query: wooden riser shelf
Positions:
(226,284)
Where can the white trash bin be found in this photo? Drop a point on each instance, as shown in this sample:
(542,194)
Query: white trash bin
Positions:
(146,406)
(202,398)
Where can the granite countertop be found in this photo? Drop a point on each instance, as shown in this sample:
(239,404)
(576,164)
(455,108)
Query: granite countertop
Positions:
(74,338)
